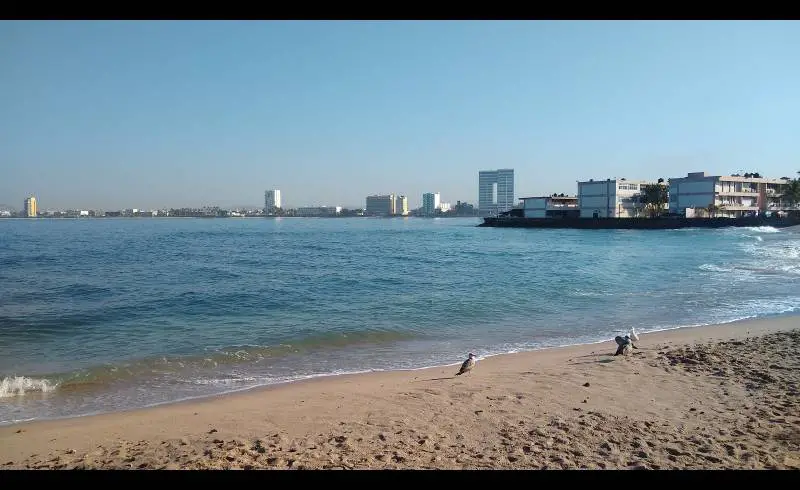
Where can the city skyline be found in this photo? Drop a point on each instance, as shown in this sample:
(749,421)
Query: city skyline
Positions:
(125,114)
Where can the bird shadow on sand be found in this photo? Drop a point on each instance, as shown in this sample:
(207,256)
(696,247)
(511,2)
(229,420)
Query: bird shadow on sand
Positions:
(606,358)
(436,379)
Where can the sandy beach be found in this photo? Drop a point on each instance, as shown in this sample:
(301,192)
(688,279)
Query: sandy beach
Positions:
(722,396)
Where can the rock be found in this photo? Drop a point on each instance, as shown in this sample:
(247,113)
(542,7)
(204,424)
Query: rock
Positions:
(586,384)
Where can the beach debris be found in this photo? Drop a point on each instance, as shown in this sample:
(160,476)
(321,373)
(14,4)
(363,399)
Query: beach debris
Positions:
(467,365)
(586,384)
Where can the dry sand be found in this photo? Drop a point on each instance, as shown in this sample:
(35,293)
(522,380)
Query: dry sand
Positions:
(711,397)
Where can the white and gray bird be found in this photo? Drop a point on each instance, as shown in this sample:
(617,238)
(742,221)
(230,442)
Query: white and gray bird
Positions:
(467,365)
(625,345)
(634,335)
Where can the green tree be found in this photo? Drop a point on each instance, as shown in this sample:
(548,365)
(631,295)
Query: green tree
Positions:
(713,209)
(791,195)
(654,197)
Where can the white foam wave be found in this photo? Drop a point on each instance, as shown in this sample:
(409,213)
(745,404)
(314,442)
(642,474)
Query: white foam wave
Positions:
(762,229)
(714,268)
(21,385)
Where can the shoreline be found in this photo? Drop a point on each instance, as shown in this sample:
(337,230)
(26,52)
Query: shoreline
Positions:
(334,375)
(505,387)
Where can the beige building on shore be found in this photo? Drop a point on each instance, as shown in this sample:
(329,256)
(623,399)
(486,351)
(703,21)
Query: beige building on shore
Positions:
(732,195)
(31,208)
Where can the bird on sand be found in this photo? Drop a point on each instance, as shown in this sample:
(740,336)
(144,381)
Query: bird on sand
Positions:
(634,336)
(625,344)
(467,365)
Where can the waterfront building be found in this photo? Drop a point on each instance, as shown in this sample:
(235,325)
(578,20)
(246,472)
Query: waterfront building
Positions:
(272,201)
(380,205)
(550,206)
(431,203)
(495,191)
(31,208)
(611,198)
(318,211)
(401,206)
(728,196)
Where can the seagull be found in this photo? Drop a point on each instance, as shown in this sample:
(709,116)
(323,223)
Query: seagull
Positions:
(625,344)
(634,336)
(468,365)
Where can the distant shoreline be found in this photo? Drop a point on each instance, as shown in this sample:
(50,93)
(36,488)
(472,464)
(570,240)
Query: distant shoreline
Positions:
(219,217)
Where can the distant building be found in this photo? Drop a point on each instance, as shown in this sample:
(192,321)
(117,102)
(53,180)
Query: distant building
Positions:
(611,198)
(30,209)
(380,205)
(550,207)
(444,207)
(495,191)
(430,203)
(387,205)
(401,206)
(732,195)
(318,211)
(272,201)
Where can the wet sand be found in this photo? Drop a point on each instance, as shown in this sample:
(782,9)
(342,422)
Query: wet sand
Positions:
(722,396)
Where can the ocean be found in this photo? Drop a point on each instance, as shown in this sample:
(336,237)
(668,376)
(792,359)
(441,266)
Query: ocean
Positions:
(100,315)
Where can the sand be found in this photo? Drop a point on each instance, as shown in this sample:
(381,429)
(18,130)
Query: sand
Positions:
(722,396)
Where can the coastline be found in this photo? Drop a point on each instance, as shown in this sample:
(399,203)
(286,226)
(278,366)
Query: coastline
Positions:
(419,403)
(326,375)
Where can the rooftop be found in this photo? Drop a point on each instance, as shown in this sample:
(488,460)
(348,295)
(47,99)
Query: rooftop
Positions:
(733,178)
(568,198)
(623,179)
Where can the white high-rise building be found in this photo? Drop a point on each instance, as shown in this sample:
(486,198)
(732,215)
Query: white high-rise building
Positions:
(431,202)
(495,191)
(272,201)
(401,205)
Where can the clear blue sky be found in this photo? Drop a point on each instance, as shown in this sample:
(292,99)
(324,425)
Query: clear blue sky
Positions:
(152,114)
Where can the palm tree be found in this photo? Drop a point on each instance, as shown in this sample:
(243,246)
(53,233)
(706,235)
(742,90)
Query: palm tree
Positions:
(712,209)
(654,197)
(791,195)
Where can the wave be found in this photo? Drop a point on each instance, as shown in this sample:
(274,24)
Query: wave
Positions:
(176,366)
(21,385)
(762,229)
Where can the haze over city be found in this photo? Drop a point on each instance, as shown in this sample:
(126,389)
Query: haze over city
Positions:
(171,114)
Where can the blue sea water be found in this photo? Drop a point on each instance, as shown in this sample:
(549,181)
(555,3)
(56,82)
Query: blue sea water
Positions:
(99,315)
